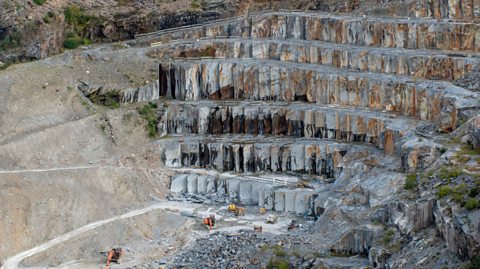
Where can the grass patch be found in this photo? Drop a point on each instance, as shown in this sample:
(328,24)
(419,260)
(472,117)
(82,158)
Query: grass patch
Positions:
(410,182)
(39,2)
(195,4)
(11,41)
(474,192)
(150,115)
(471,204)
(388,236)
(275,263)
(278,250)
(447,173)
(75,41)
(76,17)
(444,191)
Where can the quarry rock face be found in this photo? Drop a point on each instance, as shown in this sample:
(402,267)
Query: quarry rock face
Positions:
(340,102)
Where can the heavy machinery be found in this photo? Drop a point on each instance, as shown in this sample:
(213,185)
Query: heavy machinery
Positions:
(272,219)
(210,222)
(238,211)
(113,255)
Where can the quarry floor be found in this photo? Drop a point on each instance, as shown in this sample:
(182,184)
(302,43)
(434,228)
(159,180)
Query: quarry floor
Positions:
(173,225)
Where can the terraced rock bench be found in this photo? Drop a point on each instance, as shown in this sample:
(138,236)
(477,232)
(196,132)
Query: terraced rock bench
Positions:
(428,64)
(268,80)
(296,120)
(247,154)
(408,33)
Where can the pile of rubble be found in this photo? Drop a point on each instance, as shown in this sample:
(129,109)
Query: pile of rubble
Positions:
(220,250)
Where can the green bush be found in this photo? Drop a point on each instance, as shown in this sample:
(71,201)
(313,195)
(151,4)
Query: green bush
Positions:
(39,2)
(74,42)
(388,236)
(474,192)
(446,173)
(278,264)
(444,191)
(148,112)
(11,41)
(473,264)
(471,204)
(75,15)
(410,182)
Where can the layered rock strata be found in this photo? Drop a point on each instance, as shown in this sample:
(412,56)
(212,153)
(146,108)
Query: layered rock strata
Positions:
(299,120)
(254,155)
(407,33)
(268,80)
(427,64)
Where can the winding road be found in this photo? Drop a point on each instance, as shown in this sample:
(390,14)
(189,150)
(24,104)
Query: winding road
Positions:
(14,261)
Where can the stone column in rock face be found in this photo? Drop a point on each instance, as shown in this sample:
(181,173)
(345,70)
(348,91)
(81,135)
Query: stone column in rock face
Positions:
(238,158)
(228,158)
(171,155)
(245,193)
(226,81)
(233,188)
(279,122)
(216,155)
(279,200)
(211,185)
(309,124)
(251,120)
(215,125)
(262,158)
(290,201)
(238,120)
(192,184)
(249,158)
(162,79)
(189,154)
(295,123)
(298,158)
(192,88)
(203,155)
(227,120)
(311,159)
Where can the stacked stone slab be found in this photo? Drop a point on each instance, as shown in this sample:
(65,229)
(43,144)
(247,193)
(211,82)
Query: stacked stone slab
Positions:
(246,192)
(342,125)
(256,156)
(428,64)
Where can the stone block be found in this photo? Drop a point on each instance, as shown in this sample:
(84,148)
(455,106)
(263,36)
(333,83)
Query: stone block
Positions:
(179,184)
(192,184)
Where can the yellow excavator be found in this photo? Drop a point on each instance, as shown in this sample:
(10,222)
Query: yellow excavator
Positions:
(238,211)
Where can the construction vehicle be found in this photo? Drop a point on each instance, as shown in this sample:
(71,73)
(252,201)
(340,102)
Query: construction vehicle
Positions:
(113,255)
(257,229)
(238,211)
(272,219)
(263,210)
(210,222)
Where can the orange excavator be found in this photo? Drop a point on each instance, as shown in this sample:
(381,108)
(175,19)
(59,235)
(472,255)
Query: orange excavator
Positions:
(210,222)
(114,255)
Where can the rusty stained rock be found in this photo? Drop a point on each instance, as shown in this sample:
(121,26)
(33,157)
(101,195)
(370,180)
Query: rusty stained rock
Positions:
(419,65)
(283,84)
